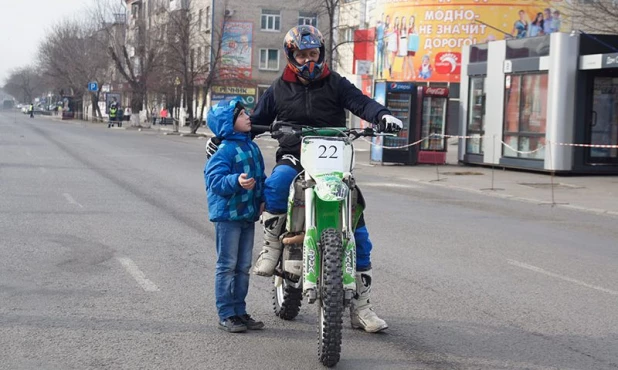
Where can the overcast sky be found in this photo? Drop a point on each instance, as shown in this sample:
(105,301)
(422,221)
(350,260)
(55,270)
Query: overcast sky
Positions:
(23,27)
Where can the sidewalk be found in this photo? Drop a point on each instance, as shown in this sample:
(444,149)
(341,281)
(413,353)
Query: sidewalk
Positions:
(593,194)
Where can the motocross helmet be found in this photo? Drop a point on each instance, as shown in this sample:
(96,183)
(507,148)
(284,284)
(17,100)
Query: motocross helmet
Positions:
(302,38)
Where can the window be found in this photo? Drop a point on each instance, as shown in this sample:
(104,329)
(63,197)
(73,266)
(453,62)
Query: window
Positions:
(207,19)
(271,20)
(476,115)
(348,34)
(269,59)
(525,115)
(200,18)
(135,10)
(307,19)
(199,57)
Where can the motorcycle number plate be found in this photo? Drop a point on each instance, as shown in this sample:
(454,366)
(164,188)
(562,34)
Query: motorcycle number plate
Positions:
(324,155)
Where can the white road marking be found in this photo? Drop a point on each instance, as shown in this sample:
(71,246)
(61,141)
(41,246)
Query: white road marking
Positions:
(71,200)
(137,274)
(562,277)
(389,185)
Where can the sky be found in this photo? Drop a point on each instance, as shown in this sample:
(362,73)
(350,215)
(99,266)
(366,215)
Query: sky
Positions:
(23,27)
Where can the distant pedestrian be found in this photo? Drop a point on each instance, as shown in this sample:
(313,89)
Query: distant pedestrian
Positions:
(163,116)
(234,178)
(31,110)
(153,113)
(113,111)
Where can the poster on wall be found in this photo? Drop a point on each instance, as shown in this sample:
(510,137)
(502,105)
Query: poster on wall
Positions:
(236,50)
(422,40)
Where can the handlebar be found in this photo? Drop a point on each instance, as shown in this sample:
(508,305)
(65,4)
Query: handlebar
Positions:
(279,128)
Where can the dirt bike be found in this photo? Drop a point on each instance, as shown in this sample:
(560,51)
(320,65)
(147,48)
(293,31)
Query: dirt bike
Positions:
(319,252)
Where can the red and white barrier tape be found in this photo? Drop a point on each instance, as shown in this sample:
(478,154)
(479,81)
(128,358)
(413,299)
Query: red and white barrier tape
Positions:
(589,145)
(503,143)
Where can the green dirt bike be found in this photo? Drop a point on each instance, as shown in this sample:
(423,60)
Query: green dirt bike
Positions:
(319,252)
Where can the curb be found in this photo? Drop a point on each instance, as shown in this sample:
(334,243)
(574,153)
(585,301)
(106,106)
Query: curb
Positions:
(596,211)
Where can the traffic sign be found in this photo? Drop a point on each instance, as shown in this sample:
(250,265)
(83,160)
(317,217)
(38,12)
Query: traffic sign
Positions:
(93,86)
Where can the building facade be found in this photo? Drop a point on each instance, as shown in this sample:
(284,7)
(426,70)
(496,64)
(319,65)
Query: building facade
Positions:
(421,41)
(546,103)
(235,48)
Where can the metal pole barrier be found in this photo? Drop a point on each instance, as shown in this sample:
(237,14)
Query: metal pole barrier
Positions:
(493,167)
(436,163)
(552,171)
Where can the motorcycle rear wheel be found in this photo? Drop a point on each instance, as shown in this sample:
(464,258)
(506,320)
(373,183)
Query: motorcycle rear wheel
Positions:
(331,304)
(287,297)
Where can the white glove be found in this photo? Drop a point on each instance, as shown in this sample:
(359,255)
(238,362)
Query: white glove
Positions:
(212,145)
(390,124)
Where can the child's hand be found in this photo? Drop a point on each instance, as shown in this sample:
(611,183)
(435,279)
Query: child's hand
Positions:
(246,183)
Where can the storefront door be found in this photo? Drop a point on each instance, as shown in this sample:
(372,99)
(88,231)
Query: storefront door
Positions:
(603,126)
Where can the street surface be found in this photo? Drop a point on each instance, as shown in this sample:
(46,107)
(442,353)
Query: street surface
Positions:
(107,262)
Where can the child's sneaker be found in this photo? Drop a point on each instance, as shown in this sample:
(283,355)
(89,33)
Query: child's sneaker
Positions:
(250,322)
(233,325)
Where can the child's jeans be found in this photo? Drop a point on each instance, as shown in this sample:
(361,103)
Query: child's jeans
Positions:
(234,254)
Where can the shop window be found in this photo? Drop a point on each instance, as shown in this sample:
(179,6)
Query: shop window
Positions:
(476,116)
(604,123)
(525,115)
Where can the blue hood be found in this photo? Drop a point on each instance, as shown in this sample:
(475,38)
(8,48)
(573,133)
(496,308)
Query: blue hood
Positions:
(221,120)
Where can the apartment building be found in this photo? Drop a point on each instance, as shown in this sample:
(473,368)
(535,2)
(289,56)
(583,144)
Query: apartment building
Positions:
(250,37)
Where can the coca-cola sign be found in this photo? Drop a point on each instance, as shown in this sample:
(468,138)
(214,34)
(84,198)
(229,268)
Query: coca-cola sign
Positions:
(435,91)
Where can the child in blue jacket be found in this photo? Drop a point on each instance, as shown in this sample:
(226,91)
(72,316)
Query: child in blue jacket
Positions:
(234,178)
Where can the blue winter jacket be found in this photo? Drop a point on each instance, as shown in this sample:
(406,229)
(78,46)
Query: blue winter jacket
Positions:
(237,154)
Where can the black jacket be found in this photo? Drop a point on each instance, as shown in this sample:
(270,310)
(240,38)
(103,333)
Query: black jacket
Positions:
(319,104)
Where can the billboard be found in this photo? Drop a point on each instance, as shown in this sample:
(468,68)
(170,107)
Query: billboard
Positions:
(421,40)
(236,50)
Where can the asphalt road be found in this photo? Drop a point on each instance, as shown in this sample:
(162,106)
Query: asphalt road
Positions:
(107,262)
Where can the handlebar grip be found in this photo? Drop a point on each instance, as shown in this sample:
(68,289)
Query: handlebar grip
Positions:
(259,129)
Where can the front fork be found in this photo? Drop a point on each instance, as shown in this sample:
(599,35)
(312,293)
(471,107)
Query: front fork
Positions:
(311,252)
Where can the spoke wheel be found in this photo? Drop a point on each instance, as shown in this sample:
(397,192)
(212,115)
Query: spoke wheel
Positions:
(287,297)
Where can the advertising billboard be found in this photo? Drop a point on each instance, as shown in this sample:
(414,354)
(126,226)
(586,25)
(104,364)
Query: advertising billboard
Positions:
(421,40)
(236,50)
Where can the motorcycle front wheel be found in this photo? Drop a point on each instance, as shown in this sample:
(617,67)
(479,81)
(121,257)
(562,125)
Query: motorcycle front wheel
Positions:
(331,303)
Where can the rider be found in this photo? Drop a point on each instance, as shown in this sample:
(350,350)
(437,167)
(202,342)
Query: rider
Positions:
(308,93)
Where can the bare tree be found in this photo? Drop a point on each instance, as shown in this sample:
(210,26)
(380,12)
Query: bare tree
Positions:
(598,16)
(184,45)
(24,83)
(135,53)
(72,55)
(339,15)
(193,58)
(328,9)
